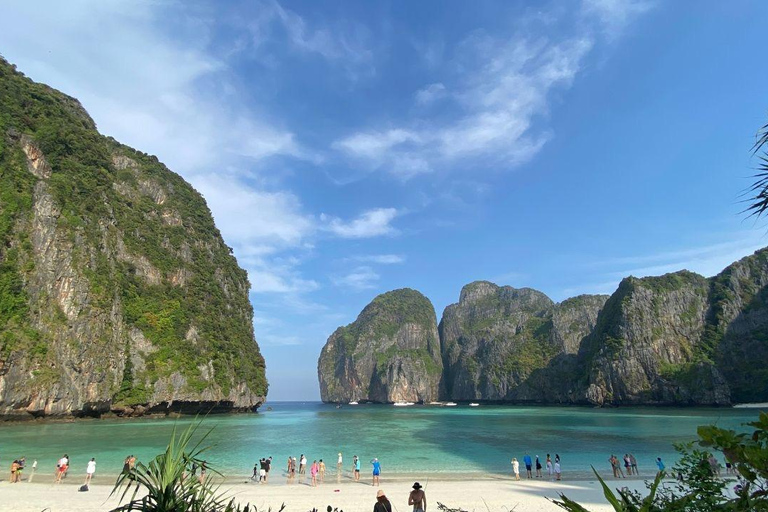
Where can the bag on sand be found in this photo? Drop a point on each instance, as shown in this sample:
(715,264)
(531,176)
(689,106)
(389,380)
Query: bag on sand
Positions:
(83,488)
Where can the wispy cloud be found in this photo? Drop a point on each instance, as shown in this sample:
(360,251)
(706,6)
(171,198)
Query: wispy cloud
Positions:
(376,222)
(502,89)
(381,259)
(361,278)
(430,94)
(342,42)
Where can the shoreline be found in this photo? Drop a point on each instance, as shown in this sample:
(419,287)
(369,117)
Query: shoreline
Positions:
(28,418)
(494,495)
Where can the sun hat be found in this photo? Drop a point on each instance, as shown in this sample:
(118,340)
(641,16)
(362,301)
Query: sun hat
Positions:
(380,493)
(416,485)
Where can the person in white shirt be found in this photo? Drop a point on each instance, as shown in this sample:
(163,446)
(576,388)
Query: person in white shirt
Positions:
(516,469)
(90,470)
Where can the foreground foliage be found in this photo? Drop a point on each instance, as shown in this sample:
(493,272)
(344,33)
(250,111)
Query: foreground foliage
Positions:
(698,488)
(167,483)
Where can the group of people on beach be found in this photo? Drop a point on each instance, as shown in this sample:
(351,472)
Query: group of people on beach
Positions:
(317,469)
(417,499)
(630,465)
(62,468)
(553,467)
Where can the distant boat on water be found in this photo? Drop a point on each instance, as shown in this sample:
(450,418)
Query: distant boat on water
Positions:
(474,404)
(402,404)
(435,403)
(450,404)
(352,403)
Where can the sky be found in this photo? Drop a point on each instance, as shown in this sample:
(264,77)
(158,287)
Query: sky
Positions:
(351,148)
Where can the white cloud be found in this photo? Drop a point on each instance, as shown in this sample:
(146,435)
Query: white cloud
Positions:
(430,94)
(370,223)
(345,43)
(503,88)
(361,278)
(615,15)
(381,259)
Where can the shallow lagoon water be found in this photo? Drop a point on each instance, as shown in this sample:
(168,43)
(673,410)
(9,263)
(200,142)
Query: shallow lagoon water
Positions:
(417,441)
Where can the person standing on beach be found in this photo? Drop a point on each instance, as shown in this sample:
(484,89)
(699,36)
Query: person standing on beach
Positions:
(90,469)
(34,468)
(338,465)
(376,471)
(659,464)
(268,466)
(633,464)
(527,461)
(302,465)
(313,471)
(538,467)
(418,498)
(203,469)
(255,475)
(557,468)
(322,471)
(61,467)
(516,469)
(14,469)
(550,470)
(356,468)
(382,503)
(627,464)
(262,469)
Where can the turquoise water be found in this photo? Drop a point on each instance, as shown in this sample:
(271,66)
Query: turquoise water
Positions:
(418,440)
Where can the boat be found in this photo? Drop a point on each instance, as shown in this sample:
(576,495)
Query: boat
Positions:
(403,404)
(352,403)
(474,404)
(450,404)
(435,403)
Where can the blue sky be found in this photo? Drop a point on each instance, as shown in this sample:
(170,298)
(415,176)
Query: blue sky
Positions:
(350,148)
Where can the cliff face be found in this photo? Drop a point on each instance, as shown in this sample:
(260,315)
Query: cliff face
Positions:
(117,291)
(390,353)
(677,339)
(647,345)
(506,344)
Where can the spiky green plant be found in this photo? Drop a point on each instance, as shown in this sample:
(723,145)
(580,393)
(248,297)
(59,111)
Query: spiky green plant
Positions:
(166,483)
(624,502)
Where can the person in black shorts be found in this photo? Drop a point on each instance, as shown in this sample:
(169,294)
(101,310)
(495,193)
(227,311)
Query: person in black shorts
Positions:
(267,467)
(538,467)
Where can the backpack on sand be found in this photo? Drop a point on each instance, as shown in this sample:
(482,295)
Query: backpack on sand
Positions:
(83,488)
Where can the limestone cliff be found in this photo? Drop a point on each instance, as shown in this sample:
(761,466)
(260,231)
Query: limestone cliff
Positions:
(507,344)
(390,353)
(117,291)
(676,339)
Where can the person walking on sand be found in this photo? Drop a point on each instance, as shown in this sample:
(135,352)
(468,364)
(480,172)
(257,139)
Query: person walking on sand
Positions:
(90,469)
(418,498)
(356,468)
(528,466)
(660,464)
(550,470)
(376,471)
(516,469)
(557,468)
(268,466)
(538,468)
(382,503)
(339,463)
(313,471)
(255,475)
(61,467)
(322,471)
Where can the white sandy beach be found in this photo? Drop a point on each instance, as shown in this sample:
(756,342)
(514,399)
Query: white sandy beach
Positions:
(492,495)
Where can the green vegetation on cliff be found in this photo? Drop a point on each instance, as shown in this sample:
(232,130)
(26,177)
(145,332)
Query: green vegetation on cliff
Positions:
(142,238)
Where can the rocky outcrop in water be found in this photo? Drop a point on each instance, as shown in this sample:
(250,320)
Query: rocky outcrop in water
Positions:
(391,353)
(117,292)
(676,339)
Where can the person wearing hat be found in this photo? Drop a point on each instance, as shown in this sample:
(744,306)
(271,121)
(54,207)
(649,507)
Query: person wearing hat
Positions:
(382,503)
(418,498)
